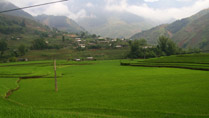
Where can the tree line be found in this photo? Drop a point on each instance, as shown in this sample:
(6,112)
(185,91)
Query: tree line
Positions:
(165,47)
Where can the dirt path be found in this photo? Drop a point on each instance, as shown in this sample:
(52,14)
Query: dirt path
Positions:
(9,93)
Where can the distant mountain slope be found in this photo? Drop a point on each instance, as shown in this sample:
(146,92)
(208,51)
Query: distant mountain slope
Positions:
(189,32)
(62,23)
(18,30)
(115,25)
(12,23)
(195,34)
(5,5)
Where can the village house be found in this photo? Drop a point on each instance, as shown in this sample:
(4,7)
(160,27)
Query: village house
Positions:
(114,40)
(78,39)
(82,45)
(71,35)
(89,58)
(147,47)
(118,46)
(22,59)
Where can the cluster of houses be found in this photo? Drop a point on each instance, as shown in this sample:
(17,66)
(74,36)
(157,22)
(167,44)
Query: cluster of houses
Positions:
(85,42)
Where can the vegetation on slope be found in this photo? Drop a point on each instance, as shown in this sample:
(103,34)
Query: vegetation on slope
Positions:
(188,33)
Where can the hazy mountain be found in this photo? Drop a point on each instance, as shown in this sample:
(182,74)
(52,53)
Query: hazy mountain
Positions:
(5,5)
(188,32)
(62,23)
(115,25)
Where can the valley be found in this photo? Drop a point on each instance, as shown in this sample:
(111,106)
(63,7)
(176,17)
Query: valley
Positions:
(104,59)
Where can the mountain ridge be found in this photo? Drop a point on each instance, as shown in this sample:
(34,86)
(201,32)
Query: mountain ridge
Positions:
(5,5)
(116,25)
(62,23)
(187,33)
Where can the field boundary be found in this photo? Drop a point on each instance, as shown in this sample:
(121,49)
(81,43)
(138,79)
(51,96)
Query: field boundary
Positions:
(12,90)
(23,64)
(9,93)
(163,66)
(109,110)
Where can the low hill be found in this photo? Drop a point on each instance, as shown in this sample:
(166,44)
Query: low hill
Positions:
(62,23)
(190,32)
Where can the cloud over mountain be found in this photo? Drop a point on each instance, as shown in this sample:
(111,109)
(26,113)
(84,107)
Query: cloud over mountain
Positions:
(155,9)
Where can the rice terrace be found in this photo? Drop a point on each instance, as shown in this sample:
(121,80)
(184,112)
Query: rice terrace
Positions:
(104,58)
(107,89)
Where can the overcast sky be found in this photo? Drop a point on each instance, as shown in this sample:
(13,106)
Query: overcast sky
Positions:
(153,9)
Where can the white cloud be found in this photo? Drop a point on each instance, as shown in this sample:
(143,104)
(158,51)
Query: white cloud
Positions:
(89,4)
(75,9)
(151,0)
(59,9)
(184,0)
(144,10)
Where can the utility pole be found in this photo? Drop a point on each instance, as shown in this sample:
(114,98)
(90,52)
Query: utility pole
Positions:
(144,53)
(55,75)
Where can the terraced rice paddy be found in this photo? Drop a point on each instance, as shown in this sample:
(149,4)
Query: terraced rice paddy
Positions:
(105,89)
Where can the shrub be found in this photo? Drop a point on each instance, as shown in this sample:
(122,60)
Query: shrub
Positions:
(12,59)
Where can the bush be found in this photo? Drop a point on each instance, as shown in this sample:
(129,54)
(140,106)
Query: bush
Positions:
(22,50)
(39,44)
(12,59)
(3,47)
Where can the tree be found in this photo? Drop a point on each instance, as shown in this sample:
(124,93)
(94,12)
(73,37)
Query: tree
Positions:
(171,48)
(82,34)
(142,42)
(63,38)
(94,36)
(22,50)
(23,23)
(137,48)
(162,43)
(39,44)
(166,46)
(3,47)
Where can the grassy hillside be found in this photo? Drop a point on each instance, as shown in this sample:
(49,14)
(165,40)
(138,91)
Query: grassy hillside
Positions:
(17,30)
(195,34)
(152,34)
(190,32)
(104,89)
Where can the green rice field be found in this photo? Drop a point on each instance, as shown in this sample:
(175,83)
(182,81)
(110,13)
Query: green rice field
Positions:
(105,89)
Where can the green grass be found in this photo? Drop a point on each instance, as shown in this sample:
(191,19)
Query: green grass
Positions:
(104,89)
(189,61)
(188,58)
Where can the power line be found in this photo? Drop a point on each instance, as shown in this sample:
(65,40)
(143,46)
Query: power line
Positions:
(33,6)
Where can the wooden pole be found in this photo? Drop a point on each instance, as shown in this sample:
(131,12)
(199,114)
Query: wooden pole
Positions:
(55,75)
